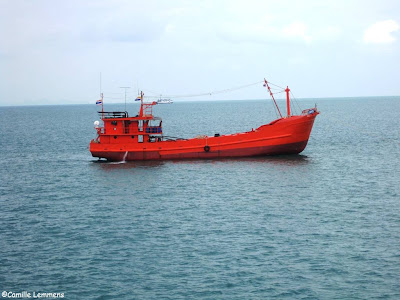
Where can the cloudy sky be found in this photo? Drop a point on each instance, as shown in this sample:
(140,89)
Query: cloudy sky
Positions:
(52,51)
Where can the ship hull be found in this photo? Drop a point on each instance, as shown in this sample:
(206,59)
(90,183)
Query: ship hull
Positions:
(283,136)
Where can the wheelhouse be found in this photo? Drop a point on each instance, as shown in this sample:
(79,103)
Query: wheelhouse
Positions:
(120,128)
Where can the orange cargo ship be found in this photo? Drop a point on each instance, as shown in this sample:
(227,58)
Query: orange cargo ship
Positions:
(124,138)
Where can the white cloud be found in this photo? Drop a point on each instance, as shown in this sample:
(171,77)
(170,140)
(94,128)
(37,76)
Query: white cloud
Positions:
(265,32)
(327,34)
(381,32)
(297,30)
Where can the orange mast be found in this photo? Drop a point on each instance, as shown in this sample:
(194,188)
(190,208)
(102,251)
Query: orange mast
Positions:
(287,100)
(146,109)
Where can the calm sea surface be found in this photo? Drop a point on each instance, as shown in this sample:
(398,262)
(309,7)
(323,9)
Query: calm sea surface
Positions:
(321,225)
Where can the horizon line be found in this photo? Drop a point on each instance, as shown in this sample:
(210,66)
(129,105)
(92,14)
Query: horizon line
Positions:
(202,100)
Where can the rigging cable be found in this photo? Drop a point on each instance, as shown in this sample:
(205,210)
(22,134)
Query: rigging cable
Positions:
(276,89)
(207,94)
(295,102)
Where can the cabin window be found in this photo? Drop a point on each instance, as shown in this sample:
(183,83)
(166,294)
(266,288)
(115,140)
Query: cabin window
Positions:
(155,123)
(140,138)
(140,125)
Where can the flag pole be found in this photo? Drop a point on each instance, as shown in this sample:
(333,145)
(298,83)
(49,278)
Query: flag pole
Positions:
(101,97)
(102,110)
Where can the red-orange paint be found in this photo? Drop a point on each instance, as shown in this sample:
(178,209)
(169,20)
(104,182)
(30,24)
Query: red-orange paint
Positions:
(141,138)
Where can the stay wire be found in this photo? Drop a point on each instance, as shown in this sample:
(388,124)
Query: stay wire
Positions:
(157,94)
(295,102)
(276,85)
(208,93)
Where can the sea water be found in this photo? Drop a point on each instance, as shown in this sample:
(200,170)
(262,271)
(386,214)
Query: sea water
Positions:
(324,224)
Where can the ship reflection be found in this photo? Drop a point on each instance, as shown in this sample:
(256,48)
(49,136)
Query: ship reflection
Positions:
(120,165)
(283,160)
(290,159)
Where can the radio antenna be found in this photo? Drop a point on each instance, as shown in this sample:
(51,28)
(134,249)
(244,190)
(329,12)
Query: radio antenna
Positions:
(125,87)
(100,83)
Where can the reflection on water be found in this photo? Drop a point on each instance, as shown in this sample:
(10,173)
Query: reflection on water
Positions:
(292,159)
(120,165)
(283,160)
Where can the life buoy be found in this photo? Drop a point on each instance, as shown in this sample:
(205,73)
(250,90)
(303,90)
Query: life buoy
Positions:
(206,148)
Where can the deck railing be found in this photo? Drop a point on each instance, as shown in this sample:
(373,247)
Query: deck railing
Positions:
(113,114)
